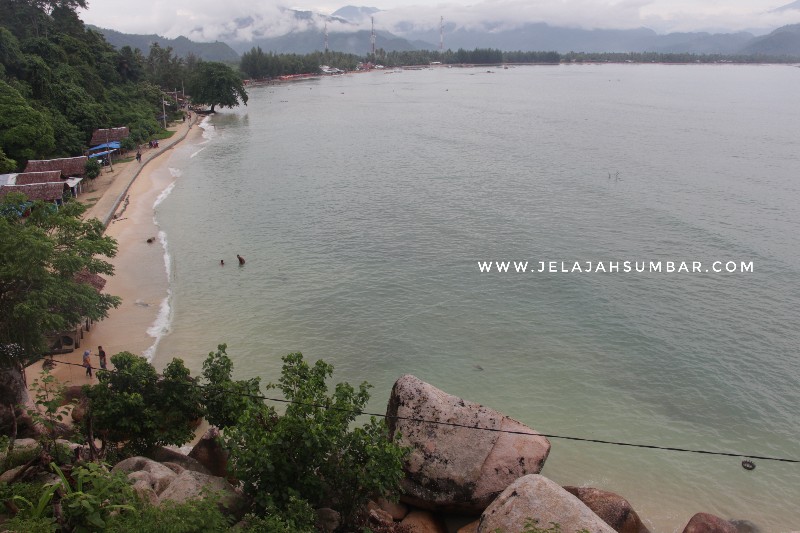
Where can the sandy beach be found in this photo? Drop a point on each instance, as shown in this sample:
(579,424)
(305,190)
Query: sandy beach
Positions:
(124,200)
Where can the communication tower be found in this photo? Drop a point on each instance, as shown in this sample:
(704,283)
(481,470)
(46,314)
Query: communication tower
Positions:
(441,34)
(326,36)
(372,36)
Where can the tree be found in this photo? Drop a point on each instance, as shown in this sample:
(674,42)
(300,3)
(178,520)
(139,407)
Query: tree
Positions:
(312,452)
(139,409)
(41,290)
(226,399)
(216,84)
(24,132)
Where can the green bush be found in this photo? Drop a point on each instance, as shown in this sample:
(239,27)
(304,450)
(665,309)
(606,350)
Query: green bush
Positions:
(170,517)
(311,452)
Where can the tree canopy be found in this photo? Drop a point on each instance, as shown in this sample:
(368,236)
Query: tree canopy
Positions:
(42,259)
(216,84)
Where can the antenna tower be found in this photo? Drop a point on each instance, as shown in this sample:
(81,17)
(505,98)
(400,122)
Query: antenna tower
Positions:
(326,36)
(372,36)
(441,34)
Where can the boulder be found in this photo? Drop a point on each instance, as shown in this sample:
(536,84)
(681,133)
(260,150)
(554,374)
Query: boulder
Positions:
(327,520)
(612,508)
(209,452)
(472,527)
(537,498)
(168,455)
(190,485)
(422,522)
(160,477)
(144,490)
(397,510)
(380,517)
(454,468)
(708,523)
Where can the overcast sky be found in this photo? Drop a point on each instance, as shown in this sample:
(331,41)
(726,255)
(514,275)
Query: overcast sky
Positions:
(208,20)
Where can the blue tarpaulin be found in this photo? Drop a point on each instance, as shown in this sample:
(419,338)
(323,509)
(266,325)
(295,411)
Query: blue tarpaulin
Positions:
(113,144)
(100,154)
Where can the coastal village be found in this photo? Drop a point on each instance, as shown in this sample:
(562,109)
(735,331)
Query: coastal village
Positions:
(94,438)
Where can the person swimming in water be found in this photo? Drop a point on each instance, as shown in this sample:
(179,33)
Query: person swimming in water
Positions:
(241,259)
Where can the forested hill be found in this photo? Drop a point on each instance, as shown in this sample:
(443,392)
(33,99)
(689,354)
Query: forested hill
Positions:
(181,46)
(59,81)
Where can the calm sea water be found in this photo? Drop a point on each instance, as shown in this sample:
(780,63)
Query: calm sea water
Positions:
(364,203)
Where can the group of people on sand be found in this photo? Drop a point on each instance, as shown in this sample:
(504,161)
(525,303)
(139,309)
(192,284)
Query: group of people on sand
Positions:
(239,257)
(87,362)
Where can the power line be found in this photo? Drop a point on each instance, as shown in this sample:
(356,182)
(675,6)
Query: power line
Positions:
(746,463)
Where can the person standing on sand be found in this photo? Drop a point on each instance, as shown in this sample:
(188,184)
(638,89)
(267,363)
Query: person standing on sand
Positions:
(87,363)
(138,156)
(241,259)
(102,355)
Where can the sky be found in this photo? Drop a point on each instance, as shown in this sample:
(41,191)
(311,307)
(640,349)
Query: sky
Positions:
(209,20)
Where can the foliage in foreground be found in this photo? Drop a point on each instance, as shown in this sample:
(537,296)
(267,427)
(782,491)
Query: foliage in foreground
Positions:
(41,260)
(310,456)
(138,409)
(311,452)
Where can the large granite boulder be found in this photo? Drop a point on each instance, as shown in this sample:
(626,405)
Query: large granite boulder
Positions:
(168,455)
(158,476)
(190,485)
(422,522)
(708,523)
(454,467)
(537,498)
(209,452)
(615,510)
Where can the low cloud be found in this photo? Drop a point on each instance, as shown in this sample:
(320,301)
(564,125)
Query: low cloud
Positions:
(242,20)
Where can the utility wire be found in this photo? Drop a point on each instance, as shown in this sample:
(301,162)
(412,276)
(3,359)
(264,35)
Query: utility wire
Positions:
(748,466)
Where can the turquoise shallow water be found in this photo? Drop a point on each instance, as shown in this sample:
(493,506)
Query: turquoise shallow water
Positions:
(364,203)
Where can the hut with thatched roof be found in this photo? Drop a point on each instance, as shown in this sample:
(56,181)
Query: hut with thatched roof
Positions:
(108,135)
(29,178)
(70,167)
(47,192)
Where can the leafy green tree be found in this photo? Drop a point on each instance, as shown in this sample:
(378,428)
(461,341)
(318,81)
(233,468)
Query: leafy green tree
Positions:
(225,399)
(41,291)
(6,164)
(24,132)
(216,84)
(311,452)
(136,408)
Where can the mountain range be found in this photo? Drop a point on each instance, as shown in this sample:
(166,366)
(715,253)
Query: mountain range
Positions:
(351,37)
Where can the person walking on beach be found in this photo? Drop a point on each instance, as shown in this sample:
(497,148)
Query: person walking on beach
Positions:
(241,259)
(87,363)
(102,355)
(138,156)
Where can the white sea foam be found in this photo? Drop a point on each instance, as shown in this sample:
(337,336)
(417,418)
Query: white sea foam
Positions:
(163,321)
(197,152)
(175,172)
(209,131)
(164,194)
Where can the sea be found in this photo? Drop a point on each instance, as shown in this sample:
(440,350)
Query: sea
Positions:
(656,207)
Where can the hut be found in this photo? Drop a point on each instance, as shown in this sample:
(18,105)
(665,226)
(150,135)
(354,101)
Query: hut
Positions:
(30,178)
(52,176)
(47,192)
(108,135)
(70,167)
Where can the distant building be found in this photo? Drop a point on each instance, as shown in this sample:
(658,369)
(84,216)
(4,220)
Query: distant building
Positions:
(70,167)
(109,135)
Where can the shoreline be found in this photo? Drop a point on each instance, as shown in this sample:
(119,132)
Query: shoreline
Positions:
(141,275)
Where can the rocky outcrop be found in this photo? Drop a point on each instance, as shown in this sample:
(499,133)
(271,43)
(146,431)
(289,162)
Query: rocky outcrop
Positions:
(422,522)
(209,452)
(537,498)
(615,510)
(190,485)
(454,467)
(708,523)
(168,455)
(158,476)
